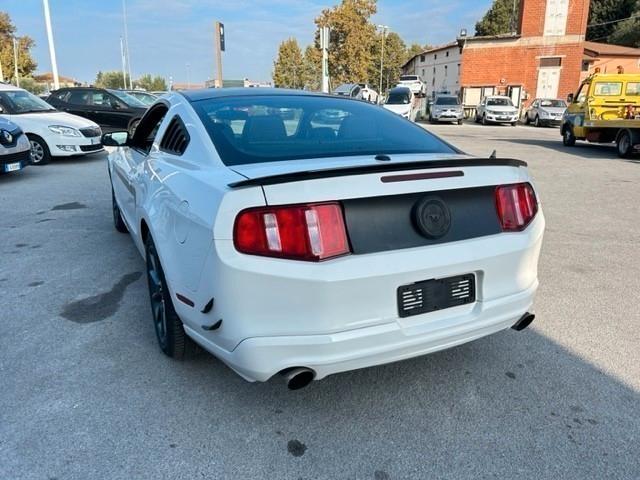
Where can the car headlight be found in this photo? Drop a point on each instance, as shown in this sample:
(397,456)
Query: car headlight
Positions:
(64,131)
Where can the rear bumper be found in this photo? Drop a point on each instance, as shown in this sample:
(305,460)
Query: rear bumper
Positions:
(343,314)
(261,358)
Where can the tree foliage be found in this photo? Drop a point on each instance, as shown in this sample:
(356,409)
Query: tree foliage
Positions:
(415,49)
(395,55)
(288,68)
(30,84)
(501,18)
(351,39)
(626,32)
(150,83)
(26,64)
(113,79)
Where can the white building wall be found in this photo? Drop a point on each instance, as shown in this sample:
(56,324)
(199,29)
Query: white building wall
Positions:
(439,69)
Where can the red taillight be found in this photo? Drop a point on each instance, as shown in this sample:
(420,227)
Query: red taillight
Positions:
(516,206)
(310,232)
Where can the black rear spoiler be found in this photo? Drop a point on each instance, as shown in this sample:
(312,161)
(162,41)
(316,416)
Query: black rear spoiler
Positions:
(376,168)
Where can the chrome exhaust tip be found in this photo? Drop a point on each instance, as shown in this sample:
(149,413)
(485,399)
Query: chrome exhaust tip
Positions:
(297,378)
(524,322)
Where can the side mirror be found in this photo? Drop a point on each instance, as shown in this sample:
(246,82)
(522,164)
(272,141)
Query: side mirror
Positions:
(570,98)
(115,139)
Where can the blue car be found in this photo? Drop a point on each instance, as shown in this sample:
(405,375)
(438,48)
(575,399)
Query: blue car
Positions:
(14,147)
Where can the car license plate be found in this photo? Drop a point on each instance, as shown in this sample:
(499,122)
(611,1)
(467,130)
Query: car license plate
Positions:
(12,167)
(436,294)
(503,118)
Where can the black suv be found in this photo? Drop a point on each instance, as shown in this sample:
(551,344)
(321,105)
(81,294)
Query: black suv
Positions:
(113,110)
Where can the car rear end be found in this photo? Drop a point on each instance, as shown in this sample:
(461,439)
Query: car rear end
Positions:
(339,273)
(328,264)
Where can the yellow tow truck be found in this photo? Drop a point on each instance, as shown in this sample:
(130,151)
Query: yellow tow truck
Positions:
(605,109)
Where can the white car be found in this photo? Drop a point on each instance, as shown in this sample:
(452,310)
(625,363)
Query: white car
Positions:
(496,109)
(51,133)
(401,101)
(415,83)
(14,147)
(317,247)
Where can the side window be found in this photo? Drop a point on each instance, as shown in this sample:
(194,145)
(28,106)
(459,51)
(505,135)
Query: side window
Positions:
(62,96)
(581,96)
(78,97)
(176,138)
(147,129)
(608,89)
(633,89)
(356,91)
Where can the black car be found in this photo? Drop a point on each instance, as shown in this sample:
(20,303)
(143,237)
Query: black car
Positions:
(113,110)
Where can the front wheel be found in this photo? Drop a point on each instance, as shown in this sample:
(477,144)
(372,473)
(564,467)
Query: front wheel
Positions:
(459,122)
(484,119)
(536,122)
(40,154)
(172,339)
(623,145)
(568,138)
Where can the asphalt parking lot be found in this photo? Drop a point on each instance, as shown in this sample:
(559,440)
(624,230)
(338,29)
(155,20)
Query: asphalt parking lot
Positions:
(86,393)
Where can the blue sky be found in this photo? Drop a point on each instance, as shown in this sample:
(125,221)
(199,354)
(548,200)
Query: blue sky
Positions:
(165,35)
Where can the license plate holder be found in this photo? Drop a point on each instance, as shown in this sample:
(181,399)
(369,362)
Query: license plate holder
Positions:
(436,294)
(12,167)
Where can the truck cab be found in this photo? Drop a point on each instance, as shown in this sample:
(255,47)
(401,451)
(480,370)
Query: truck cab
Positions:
(605,109)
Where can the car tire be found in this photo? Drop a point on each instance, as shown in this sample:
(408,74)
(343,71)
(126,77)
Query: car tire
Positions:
(527,120)
(118,222)
(536,122)
(459,122)
(568,138)
(623,144)
(172,339)
(40,154)
(513,124)
(484,119)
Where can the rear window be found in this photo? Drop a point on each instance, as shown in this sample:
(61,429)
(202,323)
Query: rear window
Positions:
(605,89)
(447,101)
(281,127)
(408,78)
(633,89)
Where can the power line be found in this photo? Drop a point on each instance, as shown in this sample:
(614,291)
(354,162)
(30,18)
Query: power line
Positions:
(613,21)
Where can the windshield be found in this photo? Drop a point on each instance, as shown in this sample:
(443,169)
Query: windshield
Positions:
(447,101)
(128,99)
(271,128)
(144,97)
(499,102)
(398,98)
(408,78)
(553,103)
(21,101)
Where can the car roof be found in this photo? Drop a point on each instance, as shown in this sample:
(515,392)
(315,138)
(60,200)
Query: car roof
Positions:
(6,87)
(209,93)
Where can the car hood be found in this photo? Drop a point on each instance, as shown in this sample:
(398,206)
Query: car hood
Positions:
(259,170)
(5,124)
(399,109)
(501,108)
(53,118)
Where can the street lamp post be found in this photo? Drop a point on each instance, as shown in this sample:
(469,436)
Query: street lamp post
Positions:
(15,62)
(384,30)
(126,42)
(52,48)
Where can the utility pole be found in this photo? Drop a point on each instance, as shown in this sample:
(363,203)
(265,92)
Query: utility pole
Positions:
(15,61)
(324,45)
(384,29)
(1,76)
(52,48)
(124,64)
(220,47)
(126,43)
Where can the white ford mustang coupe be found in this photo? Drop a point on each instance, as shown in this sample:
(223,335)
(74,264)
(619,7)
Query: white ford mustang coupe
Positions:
(303,234)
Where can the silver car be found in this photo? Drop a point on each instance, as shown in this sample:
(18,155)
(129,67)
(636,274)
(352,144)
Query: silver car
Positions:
(545,112)
(446,108)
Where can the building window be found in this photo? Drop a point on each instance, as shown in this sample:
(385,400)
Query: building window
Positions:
(551,62)
(423,73)
(555,20)
(433,81)
(445,70)
(422,58)
(446,54)
(435,56)
(585,65)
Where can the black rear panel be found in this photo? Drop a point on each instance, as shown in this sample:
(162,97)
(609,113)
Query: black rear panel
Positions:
(394,222)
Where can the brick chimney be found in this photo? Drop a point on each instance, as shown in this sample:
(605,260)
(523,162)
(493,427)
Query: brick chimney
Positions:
(551,18)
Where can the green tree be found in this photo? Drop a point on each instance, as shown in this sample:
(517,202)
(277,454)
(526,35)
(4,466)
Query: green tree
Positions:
(112,79)
(312,68)
(288,71)
(603,11)
(150,83)
(30,84)
(627,33)
(395,55)
(501,18)
(351,39)
(26,64)
(415,49)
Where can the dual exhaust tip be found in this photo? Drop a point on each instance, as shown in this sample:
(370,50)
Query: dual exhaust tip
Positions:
(299,377)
